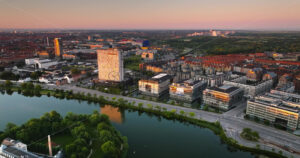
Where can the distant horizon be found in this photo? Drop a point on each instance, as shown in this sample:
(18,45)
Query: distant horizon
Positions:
(145,29)
(279,15)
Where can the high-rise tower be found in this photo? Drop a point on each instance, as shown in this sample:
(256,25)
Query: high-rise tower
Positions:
(57,47)
(110,65)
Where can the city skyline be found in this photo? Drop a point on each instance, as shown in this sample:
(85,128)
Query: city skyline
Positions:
(134,14)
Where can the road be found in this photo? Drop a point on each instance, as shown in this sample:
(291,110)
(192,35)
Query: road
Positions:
(232,121)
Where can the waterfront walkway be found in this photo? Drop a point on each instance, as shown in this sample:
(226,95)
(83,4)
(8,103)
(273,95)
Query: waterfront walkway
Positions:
(232,124)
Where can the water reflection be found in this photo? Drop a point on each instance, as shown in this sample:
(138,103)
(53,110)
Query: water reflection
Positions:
(115,114)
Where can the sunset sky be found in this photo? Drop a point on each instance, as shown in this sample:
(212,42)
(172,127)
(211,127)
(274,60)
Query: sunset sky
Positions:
(151,14)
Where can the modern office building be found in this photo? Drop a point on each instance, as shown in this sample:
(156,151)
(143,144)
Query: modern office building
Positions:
(187,91)
(58,47)
(278,107)
(155,86)
(223,98)
(110,65)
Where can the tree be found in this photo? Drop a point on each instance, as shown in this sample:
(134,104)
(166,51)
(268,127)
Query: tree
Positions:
(29,86)
(105,135)
(80,132)
(35,75)
(205,108)
(266,122)
(140,105)
(103,126)
(109,149)
(192,114)
(182,112)
(9,76)
(8,84)
(75,71)
(10,126)
(37,87)
(248,134)
(149,106)
(95,118)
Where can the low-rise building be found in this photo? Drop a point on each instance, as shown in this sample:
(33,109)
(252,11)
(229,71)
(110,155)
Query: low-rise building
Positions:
(155,86)
(149,55)
(40,64)
(43,54)
(278,107)
(255,74)
(297,83)
(224,97)
(284,79)
(15,149)
(187,91)
(251,90)
(69,56)
(213,80)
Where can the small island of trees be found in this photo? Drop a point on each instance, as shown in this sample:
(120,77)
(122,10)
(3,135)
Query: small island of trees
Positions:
(77,135)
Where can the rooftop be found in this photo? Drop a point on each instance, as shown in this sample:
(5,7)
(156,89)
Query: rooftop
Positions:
(278,100)
(224,88)
(18,152)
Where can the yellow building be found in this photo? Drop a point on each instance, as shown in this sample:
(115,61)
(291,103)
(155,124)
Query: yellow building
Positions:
(57,47)
(110,65)
(43,54)
(154,68)
(69,56)
(149,55)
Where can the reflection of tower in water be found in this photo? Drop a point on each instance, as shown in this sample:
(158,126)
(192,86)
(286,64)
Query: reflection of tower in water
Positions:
(115,114)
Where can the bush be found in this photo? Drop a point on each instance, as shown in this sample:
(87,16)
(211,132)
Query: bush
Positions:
(192,114)
(250,135)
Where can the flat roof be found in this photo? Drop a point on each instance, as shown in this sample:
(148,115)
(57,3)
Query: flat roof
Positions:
(272,101)
(160,77)
(224,88)
(19,153)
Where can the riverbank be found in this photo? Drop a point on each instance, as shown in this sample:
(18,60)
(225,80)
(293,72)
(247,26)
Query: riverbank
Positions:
(156,110)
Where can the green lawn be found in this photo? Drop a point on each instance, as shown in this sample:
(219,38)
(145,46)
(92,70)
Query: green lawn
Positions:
(61,139)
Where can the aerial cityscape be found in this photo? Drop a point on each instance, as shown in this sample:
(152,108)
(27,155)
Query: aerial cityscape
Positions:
(145,79)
